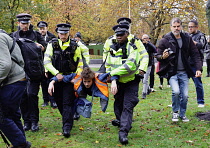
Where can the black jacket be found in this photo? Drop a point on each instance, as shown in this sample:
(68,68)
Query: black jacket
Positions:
(50,36)
(151,49)
(30,34)
(201,43)
(169,65)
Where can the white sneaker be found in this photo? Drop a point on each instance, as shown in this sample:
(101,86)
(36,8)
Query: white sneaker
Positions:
(168,86)
(161,87)
(201,105)
(170,105)
(152,90)
(175,117)
(185,119)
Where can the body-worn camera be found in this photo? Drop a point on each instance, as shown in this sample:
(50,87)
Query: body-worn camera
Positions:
(170,51)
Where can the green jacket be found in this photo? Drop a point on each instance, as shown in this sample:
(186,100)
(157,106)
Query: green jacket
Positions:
(144,57)
(125,68)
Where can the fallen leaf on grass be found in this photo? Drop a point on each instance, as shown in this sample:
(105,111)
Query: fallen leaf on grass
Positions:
(58,134)
(189,141)
(96,141)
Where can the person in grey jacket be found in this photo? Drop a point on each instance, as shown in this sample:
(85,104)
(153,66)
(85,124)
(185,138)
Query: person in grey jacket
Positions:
(13,84)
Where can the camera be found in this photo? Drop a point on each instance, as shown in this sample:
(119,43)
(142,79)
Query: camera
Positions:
(170,51)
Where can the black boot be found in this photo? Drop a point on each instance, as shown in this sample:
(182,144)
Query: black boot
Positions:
(123,139)
(45,104)
(34,127)
(116,122)
(25,145)
(27,126)
(66,133)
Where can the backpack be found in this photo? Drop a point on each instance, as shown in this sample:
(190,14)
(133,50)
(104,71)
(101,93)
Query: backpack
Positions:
(32,55)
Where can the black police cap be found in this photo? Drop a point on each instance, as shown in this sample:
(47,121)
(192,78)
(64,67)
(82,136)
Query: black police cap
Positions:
(24,17)
(63,28)
(42,24)
(120,29)
(78,34)
(124,21)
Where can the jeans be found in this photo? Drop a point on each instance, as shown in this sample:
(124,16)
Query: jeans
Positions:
(10,97)
(179,86)
(199,88)
(145,80)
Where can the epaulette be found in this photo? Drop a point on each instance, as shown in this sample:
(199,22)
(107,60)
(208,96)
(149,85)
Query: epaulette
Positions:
(111,37)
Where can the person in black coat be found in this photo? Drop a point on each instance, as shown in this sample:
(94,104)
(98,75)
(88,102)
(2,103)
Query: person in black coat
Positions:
(29,105)
(174,50)
(48,36)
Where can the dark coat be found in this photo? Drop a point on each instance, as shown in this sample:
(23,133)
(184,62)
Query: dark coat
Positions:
(151,49)
(188,49)
(50,36)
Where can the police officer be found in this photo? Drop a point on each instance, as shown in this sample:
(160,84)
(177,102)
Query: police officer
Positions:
(85,50)
(29,105)
(62,57)
(123,60)
(43,29)
(131,38)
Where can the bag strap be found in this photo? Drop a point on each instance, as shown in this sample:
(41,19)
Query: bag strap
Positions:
(5,140)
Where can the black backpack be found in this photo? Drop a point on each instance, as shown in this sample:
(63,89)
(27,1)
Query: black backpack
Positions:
(33,59)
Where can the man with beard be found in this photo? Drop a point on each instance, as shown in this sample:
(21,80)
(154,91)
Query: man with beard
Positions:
(174,50)
(29,105)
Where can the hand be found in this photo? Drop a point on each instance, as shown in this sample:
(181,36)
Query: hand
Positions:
(141,72)
(59,77)
(40,45)
(46,74)
(114,87)
(165,54)
(198,73)
(51,87)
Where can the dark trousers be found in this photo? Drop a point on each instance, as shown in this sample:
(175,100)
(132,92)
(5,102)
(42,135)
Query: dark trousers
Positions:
(11,126)
(29,104)
(208,66)
(152,77)
(199,88)
(64,97)
(46,97)
(125,101)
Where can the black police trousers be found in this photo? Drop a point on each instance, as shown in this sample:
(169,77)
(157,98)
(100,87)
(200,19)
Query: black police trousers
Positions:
(29,103)
(64,97)
(125,101)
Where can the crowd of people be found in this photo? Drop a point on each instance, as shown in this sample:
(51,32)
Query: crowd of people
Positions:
(128,60)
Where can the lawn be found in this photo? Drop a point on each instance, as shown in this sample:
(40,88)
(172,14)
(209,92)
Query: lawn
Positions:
(152,126)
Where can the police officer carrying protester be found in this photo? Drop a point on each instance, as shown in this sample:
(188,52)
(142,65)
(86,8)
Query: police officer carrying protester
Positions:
(123,60)
(48,36)
(29,105)
(13,84)
(63,57)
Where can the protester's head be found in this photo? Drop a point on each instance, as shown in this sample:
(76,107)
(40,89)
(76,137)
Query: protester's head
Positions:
(145,38)
(176,26)
(121,32)
(78,36)
(42,26)
(192,26)
(63,31)
(24,21)
(87,76)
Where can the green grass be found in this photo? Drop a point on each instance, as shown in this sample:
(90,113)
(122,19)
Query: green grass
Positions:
(152,126)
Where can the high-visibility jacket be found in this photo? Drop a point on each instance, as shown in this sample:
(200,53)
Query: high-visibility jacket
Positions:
(85,51)
(99,87)
(49,55)
(144,57)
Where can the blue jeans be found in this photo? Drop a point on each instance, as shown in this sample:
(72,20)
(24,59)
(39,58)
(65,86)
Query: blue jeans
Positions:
(11,125)
(179,86)
(199,88)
